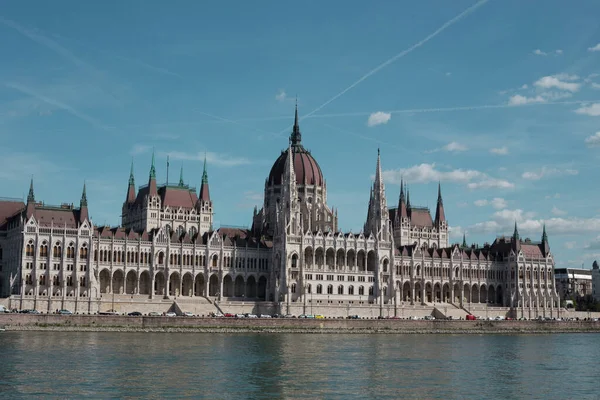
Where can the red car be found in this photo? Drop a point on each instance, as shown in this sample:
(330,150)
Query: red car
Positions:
(229,315)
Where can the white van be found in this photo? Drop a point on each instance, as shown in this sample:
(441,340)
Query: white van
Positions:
(3,309)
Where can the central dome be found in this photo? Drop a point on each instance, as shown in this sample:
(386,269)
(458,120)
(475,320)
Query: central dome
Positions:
(306,168)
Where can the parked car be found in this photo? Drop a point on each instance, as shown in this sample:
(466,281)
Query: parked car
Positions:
(188,314)
(319,316)
(264,316)
(240,316)
(65,312)
(251,316)
(353,317)
(170,314)
(153,314)
(109,312)
(229,315)
(135,314)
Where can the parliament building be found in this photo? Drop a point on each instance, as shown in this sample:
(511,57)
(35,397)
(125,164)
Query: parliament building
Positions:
(293,256)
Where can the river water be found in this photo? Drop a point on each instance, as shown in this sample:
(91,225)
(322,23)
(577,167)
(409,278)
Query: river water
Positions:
(298,366)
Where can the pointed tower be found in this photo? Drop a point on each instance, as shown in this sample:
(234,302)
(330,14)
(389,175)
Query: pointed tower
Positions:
(131,187)
(440,217)
(289,193)
(403,213)
(181,184)
(204,205)
(378,219)
(440,221)
(152,189)
(516,240)
(83,206)
(464,243)
(545,245)
(296,136)
(30,200)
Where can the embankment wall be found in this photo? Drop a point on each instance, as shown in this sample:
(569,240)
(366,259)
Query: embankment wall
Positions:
(193,324)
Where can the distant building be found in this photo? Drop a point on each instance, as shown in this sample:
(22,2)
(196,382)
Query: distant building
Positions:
(596,281)
(573,282)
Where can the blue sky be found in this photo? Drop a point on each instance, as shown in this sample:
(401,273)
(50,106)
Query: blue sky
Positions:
(498,100)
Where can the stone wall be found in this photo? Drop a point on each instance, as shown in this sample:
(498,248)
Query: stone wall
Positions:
(98,322)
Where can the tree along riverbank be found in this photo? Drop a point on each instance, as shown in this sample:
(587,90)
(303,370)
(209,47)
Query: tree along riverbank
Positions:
(112,323)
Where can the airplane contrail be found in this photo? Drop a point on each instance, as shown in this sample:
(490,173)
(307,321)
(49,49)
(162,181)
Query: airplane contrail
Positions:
(398,56)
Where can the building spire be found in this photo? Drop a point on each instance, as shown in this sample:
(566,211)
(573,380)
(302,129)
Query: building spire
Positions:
(83,202)
(464,243)
(402,201)
(204,174)
(181,176)
(152,189)
(296,136)
(378,174)
(407,198)
(440,216)
(31,195)
(131,178)
(544,235)
(516,232)
(204,192)
(152,168)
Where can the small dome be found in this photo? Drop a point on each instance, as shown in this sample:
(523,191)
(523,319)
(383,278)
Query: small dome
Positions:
(306,168)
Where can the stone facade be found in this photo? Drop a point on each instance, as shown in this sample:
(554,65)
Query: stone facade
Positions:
(294,254)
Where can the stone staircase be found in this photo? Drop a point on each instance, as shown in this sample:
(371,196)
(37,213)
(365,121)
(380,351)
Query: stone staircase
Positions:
(449,310)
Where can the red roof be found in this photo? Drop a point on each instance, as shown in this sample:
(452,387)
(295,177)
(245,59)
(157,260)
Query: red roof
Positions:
(8,208)
(306,168)
(420,217)
(175,197)
(57,216)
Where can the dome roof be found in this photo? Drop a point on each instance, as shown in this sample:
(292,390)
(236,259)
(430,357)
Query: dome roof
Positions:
(306,168)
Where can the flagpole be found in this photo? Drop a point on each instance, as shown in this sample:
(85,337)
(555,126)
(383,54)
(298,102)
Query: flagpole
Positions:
(167,170)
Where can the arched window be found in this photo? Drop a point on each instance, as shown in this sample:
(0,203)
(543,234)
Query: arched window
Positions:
(340,289)
(330,289)
(293,288)
(385,265)
(29,249)
(370,290)
(319,289)
(57,250)
(351,290)
(295,261)
(82,281)
(83,252)
(44,250)
(215,261)
(309,289)
(161,258)
(361,290)
(180,231)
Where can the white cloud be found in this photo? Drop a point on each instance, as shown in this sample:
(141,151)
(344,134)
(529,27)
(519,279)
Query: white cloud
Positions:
(378,118)
(558,212)
(570,245)
(518,100)
(594,140)
(491,183)
(281,95)
(539,52)
(559,82)
(593,245)
(219,159)
(139,149)
(593,110)
(546,172)
(425,173)
(455,147)
(595,48)
(502,151)
(448,73)
(497,202)
(595,85)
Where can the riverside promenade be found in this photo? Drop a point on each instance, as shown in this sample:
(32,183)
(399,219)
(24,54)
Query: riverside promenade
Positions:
(51,322)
